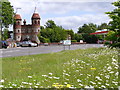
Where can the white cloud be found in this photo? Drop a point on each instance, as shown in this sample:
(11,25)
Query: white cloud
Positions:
(68,0)
(70,14)
(61,7)
(73,22)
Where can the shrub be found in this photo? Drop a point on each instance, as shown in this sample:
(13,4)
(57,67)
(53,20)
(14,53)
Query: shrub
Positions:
(73,40)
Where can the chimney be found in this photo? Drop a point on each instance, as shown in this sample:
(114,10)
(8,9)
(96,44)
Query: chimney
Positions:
(24,22)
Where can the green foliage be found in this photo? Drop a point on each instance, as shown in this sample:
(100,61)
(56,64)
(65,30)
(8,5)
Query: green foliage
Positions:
(50,24)
(78,37)
(53,32)
(114,25)
(89,38)
(5,34)
(41,27)
(73,40)
(85,31)
(44,40)
(71,33)
(111,36)
(103,26)
(87,28)
(7,14)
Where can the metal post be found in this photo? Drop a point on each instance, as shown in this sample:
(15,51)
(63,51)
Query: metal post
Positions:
(64,47)
(69,47)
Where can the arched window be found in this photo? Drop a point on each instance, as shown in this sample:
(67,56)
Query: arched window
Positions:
(18,31)
(18,36)
(35,22)
(38,22)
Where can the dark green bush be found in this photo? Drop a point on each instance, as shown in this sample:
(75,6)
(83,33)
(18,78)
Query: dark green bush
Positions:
(73,40)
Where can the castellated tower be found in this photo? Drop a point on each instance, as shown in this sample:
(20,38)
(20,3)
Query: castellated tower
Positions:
(27,32)
(36,26)
(17,27)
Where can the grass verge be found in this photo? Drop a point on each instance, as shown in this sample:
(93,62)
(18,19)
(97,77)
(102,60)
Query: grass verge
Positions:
(89,68)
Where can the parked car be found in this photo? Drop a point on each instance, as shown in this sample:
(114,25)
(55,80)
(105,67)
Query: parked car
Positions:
(46,44)
(28,43)
(100,41)
(4,44)
(18,44)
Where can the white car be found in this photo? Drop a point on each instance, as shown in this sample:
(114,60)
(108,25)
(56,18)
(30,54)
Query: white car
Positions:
(28,43)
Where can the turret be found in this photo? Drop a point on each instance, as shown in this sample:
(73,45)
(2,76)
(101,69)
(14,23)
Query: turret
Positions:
(35,19)
(17,27)
(36,26)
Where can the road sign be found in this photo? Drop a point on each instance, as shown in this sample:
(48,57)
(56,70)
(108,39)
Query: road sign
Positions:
(66,42)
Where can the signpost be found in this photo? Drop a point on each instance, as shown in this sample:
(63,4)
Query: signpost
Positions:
(66,43)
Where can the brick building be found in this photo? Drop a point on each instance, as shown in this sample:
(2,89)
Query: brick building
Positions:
(26,32)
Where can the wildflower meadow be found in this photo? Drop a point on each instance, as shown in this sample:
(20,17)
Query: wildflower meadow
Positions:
(83,68)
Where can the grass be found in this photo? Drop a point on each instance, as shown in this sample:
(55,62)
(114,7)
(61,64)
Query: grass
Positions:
(94,67)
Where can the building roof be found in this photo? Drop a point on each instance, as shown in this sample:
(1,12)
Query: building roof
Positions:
(104,31)
(35,15)
(17,16)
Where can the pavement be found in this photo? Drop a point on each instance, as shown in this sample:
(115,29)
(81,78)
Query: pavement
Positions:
(22,51)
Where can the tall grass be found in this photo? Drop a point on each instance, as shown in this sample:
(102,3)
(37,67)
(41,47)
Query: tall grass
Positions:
(95,68)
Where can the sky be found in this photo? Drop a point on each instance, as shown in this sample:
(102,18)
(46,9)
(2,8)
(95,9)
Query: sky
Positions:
(70,14)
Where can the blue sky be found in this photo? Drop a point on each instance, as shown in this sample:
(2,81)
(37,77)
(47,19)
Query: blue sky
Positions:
(70,14)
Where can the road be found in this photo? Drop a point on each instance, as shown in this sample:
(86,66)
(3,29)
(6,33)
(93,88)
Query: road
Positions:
(22,51)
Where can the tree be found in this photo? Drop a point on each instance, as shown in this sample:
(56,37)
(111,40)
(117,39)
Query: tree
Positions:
(87,28)
(89,38)
(71,33)
(50,24)
(7,14)
(78,37)
(52,32)
(114,26)
(85,31)
(103,26)
(5,34)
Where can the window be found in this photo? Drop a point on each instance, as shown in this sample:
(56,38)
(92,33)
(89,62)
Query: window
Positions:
(38,22)
(35,22)
(18,37)
(18,31)
(26,31)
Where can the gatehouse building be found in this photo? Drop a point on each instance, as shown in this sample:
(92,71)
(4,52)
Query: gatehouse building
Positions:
(25,31)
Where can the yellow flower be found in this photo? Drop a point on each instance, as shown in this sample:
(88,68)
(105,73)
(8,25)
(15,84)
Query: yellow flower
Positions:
(57,85)
(68,85)
(93,68)
(61,86)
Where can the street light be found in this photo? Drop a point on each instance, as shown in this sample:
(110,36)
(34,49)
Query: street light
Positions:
(17,9)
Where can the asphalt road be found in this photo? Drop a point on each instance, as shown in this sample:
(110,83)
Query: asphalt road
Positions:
(22,51)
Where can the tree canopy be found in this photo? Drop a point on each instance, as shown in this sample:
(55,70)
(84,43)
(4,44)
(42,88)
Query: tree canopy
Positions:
(103,26)
(114,26)
(87,28)
(52,33)
(7,14)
